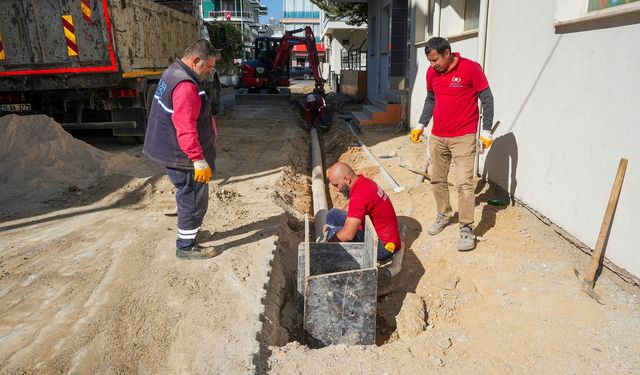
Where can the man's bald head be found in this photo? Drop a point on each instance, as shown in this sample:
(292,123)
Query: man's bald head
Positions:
(340,175)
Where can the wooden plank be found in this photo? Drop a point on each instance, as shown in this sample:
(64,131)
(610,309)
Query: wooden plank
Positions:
(340,308)
(370,244)
(330,257)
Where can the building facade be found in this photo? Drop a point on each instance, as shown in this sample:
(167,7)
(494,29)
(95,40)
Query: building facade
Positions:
(567,118)
(297,15)
(245,13)
(345,47)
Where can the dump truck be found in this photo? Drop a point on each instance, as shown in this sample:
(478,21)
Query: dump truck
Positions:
(91,64)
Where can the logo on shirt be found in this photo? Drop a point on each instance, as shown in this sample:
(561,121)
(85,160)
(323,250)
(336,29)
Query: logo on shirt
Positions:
(455,82)
(381,193)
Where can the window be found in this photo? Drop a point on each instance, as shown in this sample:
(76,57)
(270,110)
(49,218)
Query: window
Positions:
(345,42)
(471,14)
(602,4)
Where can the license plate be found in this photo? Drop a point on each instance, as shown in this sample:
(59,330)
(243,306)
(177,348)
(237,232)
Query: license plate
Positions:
(23,107)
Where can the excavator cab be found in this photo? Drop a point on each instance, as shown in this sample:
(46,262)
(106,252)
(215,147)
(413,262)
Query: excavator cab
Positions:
(256,72)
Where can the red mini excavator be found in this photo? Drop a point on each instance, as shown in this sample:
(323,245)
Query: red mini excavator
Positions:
(270,68)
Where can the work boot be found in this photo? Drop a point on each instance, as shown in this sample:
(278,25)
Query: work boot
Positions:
(196,252)
(204,236)
(441,222)
(467,240)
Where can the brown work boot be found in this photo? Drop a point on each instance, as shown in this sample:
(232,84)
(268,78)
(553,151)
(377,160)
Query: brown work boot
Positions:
(441,222)
(196,252)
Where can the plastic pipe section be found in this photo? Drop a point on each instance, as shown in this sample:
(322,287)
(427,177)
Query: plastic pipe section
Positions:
(394,185)
(317,185)
(396,264)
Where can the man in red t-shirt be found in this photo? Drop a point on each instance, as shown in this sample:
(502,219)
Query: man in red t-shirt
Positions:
(365,198)
(454,85)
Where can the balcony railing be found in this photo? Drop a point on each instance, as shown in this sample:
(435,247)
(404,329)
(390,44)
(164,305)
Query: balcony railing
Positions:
(234,15)
(355,58)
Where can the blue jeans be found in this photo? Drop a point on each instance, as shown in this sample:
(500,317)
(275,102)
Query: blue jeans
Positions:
(335,221)
(192,200)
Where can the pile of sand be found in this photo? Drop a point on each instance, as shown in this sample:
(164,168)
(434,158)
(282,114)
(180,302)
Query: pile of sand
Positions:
(38,157)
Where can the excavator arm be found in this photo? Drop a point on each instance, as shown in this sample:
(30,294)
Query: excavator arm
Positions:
(289,40)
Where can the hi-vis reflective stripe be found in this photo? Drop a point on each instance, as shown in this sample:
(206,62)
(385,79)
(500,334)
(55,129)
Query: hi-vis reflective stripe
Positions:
(1,48)
(70,35)
(86,10)
(187,234)
(167,109)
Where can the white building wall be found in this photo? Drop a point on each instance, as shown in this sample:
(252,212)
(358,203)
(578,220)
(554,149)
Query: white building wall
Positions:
(569,108)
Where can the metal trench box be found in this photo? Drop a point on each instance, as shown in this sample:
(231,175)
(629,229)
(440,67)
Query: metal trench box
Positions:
(337,290)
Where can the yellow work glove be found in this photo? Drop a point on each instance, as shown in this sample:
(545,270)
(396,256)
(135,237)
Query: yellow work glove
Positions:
(415,135)
(202,171)
(486,138)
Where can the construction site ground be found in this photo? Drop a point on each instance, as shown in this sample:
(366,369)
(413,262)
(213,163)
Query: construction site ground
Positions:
(89,283)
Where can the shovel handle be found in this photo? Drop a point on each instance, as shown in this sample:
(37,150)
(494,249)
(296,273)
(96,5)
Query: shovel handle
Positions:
(495,127)
(598,252)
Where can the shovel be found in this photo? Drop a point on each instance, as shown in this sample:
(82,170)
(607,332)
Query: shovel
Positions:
(597,256)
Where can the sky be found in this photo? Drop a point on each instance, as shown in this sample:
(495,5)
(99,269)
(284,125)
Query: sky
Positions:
(274,7)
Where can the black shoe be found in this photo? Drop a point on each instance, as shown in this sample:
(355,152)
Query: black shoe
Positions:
(196,252)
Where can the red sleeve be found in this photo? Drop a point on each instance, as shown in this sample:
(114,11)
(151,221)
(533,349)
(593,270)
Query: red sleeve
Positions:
(478,79)
(429,75)
(186,109)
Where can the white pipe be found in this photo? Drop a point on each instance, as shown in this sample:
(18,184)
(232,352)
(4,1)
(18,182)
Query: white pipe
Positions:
(394,185)
(396,263)
(480,57)
(482,31)
(436,17)
(317,185)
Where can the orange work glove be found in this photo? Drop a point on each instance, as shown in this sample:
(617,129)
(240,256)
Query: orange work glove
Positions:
(486,138)
(202,171)
(415,135)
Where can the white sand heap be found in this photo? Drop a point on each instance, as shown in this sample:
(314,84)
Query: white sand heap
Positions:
(36,153)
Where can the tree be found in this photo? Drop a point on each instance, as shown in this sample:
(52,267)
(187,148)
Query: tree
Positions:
(355,14)
(226,36)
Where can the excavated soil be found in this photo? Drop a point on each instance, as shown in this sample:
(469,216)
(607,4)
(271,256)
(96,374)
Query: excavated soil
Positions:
(88,278)
(513,305)
(89,282)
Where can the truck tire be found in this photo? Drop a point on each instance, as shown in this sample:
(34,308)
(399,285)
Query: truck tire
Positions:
(148,101)
(305,76)
(213,90)
(129,139)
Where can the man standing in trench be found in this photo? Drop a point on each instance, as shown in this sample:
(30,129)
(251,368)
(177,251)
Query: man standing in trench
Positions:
(365,198)
(454,85)
(181,134)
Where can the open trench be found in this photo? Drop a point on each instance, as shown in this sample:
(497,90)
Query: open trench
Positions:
(281,322)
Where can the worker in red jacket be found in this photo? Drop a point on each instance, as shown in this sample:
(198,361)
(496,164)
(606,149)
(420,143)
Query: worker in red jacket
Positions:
(454,85)
(314,107)
(365,198)
(181,135)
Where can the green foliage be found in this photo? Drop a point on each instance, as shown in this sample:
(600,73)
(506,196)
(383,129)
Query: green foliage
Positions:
(354,14)
(231,45)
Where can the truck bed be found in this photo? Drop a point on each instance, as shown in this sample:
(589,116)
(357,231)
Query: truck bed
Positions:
(53,44)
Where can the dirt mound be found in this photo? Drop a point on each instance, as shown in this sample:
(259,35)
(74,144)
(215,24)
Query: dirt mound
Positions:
(37,155)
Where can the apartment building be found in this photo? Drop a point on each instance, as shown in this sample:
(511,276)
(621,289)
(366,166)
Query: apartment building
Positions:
(299,14)
(245,13)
